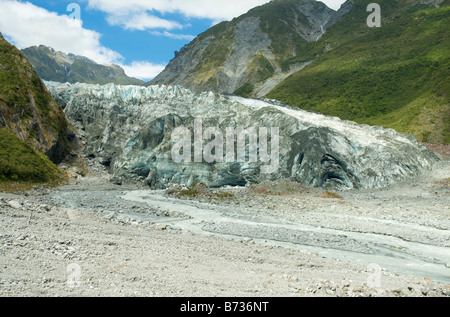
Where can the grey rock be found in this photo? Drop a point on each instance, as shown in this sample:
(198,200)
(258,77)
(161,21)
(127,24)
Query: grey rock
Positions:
(14,204)
(160,227)
(405,292)
(131,128)
(426,291)
(432,294)
(339,292)
(109,215)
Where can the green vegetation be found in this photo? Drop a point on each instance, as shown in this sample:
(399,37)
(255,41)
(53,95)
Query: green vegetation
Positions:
(19,163)
(17,86)
(396,76)
(260,68)
(286,42)
(245,90)
(197,190)
(31,123)
(216,53)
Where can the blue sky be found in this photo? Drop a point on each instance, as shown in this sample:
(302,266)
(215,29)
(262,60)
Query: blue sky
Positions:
(139,35)
(133,44)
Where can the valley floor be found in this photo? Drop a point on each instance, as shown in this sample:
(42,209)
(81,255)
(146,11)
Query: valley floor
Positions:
(109,240)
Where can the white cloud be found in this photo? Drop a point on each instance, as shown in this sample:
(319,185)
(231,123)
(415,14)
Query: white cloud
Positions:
(215,10)
(174,36)
(142,21)
(333,4)
(28,25)
(143,70)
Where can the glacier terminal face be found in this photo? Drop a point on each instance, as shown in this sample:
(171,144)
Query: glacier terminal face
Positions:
(130,130)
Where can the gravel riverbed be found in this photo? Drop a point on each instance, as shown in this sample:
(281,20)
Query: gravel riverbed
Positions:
(93,238)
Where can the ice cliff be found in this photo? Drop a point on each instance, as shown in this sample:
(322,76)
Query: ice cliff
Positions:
(129,130)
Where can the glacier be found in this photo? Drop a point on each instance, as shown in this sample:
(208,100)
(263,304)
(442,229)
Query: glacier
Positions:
(129,129)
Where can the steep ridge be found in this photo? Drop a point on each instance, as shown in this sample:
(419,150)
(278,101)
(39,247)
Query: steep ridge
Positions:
(232,57)
(130,130)
(57,66)
(32,124)
(395,76)
(26,108)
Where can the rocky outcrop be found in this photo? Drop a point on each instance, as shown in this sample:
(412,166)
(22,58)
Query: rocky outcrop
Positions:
(131,130)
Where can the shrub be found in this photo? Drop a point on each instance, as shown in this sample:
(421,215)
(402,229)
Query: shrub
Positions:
(20,163)
(279,189)
(193,190)
(225,195)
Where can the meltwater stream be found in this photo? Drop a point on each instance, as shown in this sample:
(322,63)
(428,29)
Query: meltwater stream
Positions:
(389,252)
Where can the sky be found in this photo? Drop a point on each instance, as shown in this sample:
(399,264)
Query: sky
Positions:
(139,35)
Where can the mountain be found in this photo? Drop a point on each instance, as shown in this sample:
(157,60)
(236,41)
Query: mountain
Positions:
(136,132)
(32,124)
(396,76)
(308,56)
(241,55)
(57,66)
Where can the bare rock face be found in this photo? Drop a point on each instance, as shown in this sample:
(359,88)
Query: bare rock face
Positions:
(249,49)
(131,130)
